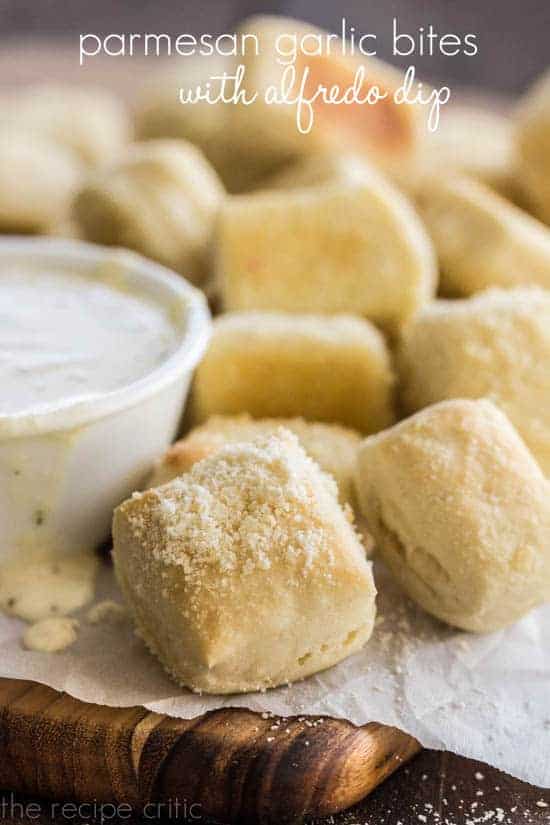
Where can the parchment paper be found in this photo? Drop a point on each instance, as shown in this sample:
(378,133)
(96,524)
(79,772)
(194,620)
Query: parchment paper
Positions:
(486,697)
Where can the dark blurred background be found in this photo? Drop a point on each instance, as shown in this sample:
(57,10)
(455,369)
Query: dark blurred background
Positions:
(513,37)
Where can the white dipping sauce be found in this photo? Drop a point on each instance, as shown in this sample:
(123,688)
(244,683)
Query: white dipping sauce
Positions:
(66,338)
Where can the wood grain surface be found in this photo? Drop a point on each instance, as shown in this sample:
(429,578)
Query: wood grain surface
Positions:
(233,765)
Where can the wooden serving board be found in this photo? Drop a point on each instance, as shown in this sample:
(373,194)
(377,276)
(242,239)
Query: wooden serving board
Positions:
(235,765)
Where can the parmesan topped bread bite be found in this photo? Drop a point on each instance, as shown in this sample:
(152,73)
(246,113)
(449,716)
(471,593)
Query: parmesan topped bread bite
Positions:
(495,344)
(245,573)
(161,199)
(335,369)
(533,147)
(350,246)
(333,447)
(460,511)
(481,239)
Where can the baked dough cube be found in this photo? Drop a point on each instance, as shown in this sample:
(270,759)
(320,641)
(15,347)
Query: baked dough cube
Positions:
(533,145)
(245,573)
(473,141)
(460,512)
(38,179)
(160,199)
(495,344)
(357,248)
(333,447)
(335,369)
(481,239)
(90,122)
(387,132)
(162,115)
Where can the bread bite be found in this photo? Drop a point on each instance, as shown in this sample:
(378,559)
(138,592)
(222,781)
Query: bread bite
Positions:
(474,141)
(90,122)
(38,179)
(287,54)
(481,239)
(245,573)
(495,344)
(160,199)
(333,447)
(161,115)
(272,365)
(460,512)
(355,247)
(533,147)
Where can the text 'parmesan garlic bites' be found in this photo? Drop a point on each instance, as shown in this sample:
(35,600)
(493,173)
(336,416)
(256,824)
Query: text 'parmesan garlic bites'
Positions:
(497,345)
(245,573)
(460,512)
(481,239)
(160,199)
(356,248)
(533,145)
(38,179)
(333,447)
(286,54)
(90,122)
(334,369)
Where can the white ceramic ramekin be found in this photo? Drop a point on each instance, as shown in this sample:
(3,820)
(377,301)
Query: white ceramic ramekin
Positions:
(63,471)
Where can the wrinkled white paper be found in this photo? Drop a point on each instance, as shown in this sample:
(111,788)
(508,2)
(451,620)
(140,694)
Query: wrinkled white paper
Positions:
(485,697)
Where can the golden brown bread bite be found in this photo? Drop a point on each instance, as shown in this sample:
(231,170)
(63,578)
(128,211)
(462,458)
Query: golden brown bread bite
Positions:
(161,199)
(38,179)
(388,133)
(533,147)
(495,344)
(460,512)
(481,239)
(333,447)
(334,369)
(245,573)
(90,122)
(357,248)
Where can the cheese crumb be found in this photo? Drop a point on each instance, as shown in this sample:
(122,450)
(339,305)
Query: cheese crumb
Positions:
(106,611)
(236,510)
(51,635)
